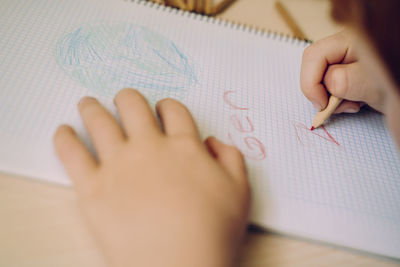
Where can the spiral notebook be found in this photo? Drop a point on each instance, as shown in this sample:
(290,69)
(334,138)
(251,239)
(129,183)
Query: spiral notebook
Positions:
(339,184)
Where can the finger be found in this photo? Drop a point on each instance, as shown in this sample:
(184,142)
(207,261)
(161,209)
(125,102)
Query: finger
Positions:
(348,107)
(102,127)
(176,118)
(135,113)
(348,81)
(229,157)
(316,58)
(74,156)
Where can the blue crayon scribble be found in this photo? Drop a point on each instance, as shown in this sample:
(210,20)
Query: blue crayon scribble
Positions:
(108,57)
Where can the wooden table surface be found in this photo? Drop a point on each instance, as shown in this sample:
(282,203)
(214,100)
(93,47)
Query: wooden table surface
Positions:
(40,223)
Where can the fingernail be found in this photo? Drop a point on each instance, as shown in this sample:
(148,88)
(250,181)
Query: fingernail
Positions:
(85,99)
(63,127)
(351,110)
(317,106)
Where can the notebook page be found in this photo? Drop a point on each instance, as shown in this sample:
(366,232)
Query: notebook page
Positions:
(338,184)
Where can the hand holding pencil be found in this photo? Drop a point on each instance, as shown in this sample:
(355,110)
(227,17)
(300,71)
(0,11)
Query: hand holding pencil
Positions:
(333,80)
(330,73)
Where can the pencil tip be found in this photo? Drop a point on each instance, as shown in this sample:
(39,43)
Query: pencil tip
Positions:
(312,128)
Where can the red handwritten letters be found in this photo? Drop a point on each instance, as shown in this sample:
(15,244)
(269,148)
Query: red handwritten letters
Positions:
(302,131)
(251,146)
(244,128)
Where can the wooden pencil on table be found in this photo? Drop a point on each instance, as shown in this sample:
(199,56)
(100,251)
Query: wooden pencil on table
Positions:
(190,5)
(199,6)
(210,8)
(207,6)
(290,21)
(180,4)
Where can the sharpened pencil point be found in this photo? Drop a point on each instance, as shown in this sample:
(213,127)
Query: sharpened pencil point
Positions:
(312,128)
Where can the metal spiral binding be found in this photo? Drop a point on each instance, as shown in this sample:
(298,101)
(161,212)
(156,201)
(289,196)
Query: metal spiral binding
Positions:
(252,29)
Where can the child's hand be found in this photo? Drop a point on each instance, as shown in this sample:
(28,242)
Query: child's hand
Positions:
(331,66)
(156,197)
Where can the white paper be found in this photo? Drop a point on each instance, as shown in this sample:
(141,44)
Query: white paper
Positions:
(340,184)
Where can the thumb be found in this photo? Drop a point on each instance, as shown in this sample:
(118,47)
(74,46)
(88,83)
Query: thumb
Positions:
(348,81)
(229,157)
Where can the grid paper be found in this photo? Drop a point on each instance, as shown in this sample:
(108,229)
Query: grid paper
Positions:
(340,184)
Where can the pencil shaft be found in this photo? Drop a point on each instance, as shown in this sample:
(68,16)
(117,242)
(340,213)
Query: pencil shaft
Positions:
(220,6)
(207,6)
(180,4)
(323,115)
(190,5)
(289,20)
(199,6)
